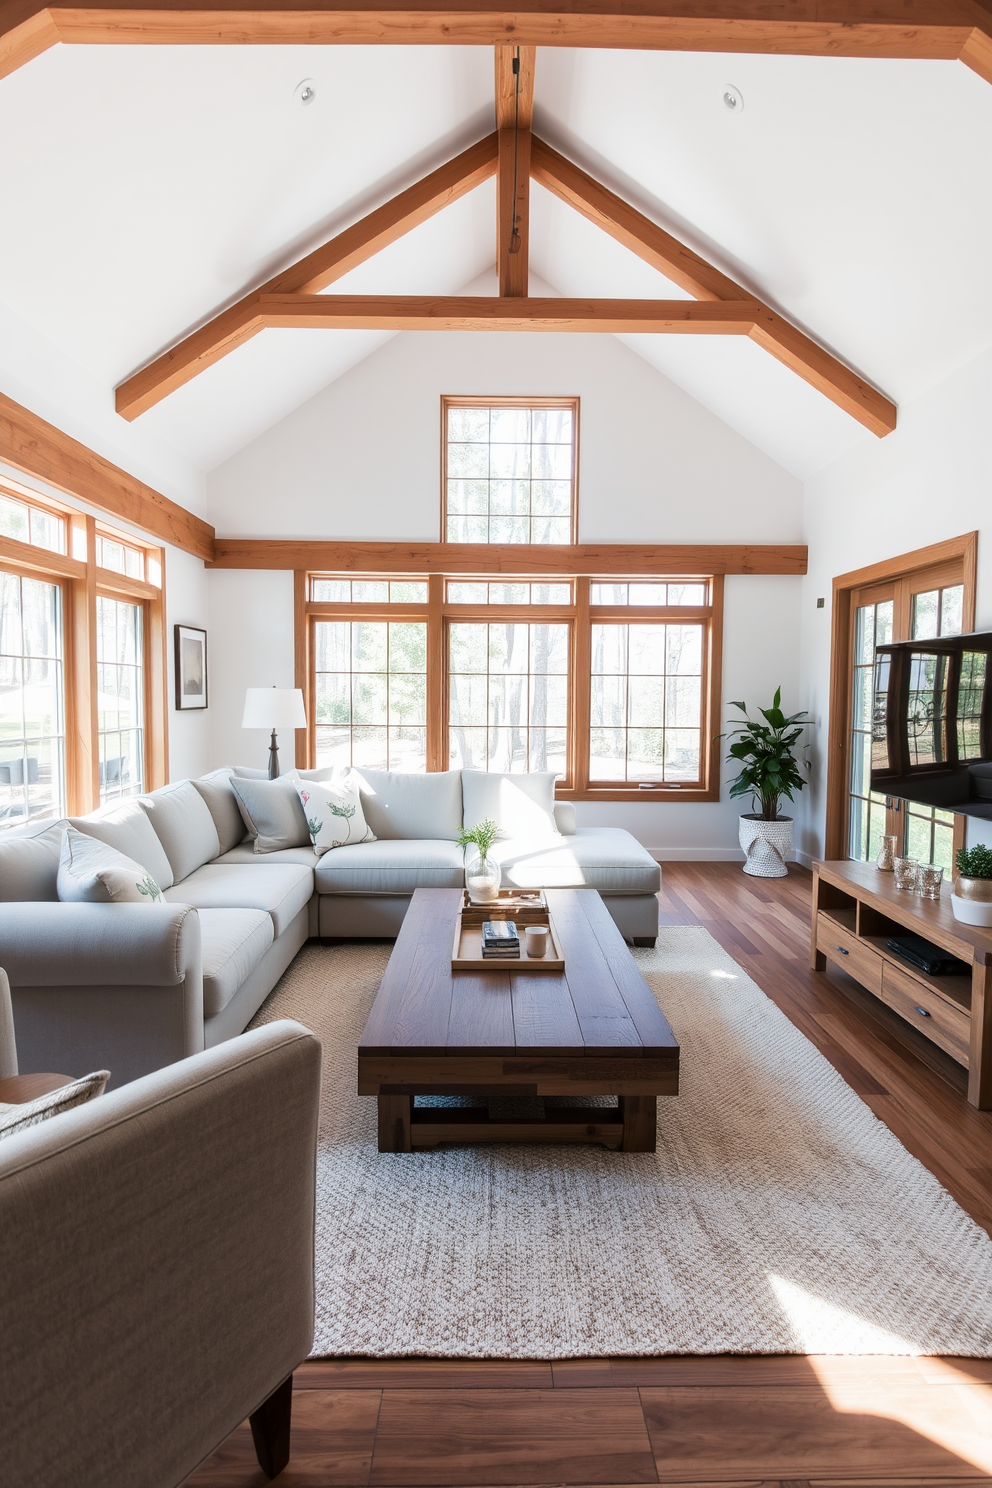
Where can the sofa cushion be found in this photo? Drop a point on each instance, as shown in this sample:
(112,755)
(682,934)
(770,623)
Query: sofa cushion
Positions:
(391,867)
(245,853)
(233,942)
(222,803)
(272,812)
(520,805)
(29,862)
(90,872)
(124,826)
(17,1117)
(334,813)
(604,858)
(282,889)
(183,825)
(412,804)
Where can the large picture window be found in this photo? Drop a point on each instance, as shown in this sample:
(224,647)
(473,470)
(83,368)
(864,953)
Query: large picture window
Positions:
(613,686)
(82,661)
(509,470)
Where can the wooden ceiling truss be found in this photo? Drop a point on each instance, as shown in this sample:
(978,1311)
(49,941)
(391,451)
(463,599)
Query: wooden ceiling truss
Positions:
(719,307)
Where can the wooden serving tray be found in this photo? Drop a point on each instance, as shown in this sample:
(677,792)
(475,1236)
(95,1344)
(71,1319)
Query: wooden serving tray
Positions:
(526,908)
(466,953)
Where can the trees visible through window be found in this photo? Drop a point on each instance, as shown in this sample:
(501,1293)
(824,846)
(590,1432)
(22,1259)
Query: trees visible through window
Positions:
(120,701)
(517,674)
(32,699)
(509,470)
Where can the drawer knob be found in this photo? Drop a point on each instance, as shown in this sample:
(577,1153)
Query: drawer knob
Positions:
(843,951)
(923,1012)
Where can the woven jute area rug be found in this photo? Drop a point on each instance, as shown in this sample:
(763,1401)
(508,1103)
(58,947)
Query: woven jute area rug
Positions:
(777,1216)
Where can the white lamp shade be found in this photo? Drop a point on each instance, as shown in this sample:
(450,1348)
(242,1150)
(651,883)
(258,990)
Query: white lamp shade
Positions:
(274,708)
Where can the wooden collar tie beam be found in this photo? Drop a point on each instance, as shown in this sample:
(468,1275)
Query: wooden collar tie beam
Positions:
(938,29)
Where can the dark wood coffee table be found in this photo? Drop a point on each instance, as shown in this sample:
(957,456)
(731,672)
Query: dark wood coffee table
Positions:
(593,1030)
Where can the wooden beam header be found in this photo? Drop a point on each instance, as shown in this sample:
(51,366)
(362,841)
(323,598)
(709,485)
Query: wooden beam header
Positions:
(942,29)
(41,450)
(572,559)
(489,313)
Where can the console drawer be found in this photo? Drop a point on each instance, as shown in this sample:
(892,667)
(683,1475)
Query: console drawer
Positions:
(948,1027)
(861,961)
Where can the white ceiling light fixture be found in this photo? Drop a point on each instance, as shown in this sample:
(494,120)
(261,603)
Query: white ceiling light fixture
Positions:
(304,93)
(733,99)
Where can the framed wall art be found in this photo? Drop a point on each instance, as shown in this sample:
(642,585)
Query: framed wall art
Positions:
(191,667)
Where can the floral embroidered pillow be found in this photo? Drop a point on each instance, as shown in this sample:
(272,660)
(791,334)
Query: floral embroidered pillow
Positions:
(333,809)
(90,872)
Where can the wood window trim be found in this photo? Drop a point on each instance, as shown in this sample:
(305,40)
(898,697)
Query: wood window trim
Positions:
(437,613)
(471,401)
(959,557)
(81,581)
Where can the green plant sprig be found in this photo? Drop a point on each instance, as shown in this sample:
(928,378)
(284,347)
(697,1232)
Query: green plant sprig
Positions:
(483,836)
(765,750)
(974,862)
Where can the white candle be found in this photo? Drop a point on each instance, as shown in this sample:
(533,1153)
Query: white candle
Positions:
(537,940)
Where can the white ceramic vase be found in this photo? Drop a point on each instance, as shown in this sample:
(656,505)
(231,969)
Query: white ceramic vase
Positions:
(765,845)
(971,901)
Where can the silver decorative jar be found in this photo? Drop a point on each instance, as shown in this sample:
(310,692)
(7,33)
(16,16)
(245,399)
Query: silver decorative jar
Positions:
(765,845)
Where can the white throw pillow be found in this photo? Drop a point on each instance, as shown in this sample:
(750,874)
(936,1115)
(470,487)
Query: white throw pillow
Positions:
(16,1118)
(520,805)
(90,872)
(333,809)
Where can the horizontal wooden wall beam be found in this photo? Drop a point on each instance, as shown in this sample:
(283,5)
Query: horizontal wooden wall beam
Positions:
(944,29)
(595,559)
(489,313)
(784,341)
(240,322)
(41,450)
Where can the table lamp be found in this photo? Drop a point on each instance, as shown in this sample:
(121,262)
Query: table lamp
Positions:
(274,708)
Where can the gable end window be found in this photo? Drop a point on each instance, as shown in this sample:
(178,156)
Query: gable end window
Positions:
(509,470)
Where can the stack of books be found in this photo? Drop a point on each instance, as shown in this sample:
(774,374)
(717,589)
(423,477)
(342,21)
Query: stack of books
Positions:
(500,941)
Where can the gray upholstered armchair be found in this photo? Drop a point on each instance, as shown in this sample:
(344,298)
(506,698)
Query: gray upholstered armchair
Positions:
(156,1267)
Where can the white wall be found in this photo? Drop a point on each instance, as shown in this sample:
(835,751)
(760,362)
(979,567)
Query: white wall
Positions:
(927,481)
(362,460)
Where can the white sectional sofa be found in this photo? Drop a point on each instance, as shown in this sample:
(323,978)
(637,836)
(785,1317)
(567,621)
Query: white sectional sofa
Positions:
(132,987)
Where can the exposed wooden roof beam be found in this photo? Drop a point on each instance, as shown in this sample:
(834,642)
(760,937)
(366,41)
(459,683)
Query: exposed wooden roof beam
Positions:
(690,272)
(597,559)
(944,29)
(39,449)
(489,313)
(232,327)
(514,112)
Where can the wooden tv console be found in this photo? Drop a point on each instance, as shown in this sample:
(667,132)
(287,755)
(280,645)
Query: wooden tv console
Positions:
(855,910)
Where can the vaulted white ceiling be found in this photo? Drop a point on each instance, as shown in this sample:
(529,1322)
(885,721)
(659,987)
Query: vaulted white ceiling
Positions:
(142,189)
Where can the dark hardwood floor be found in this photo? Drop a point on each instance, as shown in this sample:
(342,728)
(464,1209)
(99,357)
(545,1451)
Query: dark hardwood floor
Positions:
(741,1422)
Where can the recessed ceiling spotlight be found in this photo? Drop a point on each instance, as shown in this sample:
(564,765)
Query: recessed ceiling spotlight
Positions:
(733,99)
(305,92)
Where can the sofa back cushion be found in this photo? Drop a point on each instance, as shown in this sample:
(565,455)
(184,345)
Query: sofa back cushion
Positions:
(272,812)
(90,872)
(183,825)
(124,826)
(218,795)
(520,805)
(412,805)
(29,862)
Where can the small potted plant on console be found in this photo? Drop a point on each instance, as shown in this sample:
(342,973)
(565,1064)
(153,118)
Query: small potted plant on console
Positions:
(770,772)
(971,899)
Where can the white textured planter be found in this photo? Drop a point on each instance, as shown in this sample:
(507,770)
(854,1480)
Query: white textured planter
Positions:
(972,911)
(765,845)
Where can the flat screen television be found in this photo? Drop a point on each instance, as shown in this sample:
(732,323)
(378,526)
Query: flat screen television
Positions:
(932,723)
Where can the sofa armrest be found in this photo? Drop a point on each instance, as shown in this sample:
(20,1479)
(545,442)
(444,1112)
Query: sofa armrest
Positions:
(157,1261)
(565,818)
(84,945)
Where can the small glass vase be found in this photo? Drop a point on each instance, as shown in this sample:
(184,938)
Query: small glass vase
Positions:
(885,862)
(482,879)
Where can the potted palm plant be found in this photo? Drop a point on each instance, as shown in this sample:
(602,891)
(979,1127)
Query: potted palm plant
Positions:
(971,897)
(770,773)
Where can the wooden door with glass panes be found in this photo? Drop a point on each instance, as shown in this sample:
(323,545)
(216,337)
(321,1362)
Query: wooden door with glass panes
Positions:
(917,606)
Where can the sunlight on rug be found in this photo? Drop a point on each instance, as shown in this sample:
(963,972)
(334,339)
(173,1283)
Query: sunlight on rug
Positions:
(777,1216)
